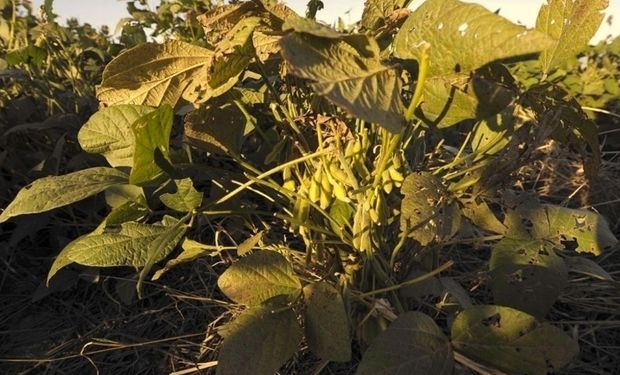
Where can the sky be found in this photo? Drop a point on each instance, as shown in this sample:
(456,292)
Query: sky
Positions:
(109,12)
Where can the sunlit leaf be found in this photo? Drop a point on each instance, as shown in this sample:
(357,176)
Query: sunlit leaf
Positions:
(52,192)
(124,245)
(154,74)
(248,245)
(412,344)
(364,86)
(527,275)
(192,250)
(560,224)
(185,199)
(511,341)
(259,277)
(377,11)
(152,134)
(463,37)
(571,24)
(108,132)
(258,342)
(326,322)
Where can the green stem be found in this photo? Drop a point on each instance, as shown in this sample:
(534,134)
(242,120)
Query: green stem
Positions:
(419,88)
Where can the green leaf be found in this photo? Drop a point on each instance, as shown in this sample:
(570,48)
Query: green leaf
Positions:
(108,132)
(52,192)
(558,224)
(186,198)
(527,275)
(426,213)
(154,74)
(231,56)
(482,216)
(326,322)
(191,250)
(132,210)
(124,245)
(412,344)
(248,245)
(511,341)
(259,277)
(450,99)
(377,11)
(152,132)
(348,76)
(571,25)
(258,342)
(463,37)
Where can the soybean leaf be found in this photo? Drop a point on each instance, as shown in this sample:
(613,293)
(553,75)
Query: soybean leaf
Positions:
(412,344)
(511,340)
(259,277)
(463,37)
(348,76)
(426,212)
(124,245)
(152,134)
(185,199)
(108,132)
(377,11)
(527,275)
(482,216)
(248,245)
(326,322)
(154,74)
(258,342)
(132,210)
(220,20)
(571,25)
(230,57)
(191,250)
(450,99)
(217,127)
(558,224)
(52,192)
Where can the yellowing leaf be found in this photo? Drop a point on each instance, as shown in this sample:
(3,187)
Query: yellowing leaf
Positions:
(558,224)
(326,323)
(413,344)
(463,37)
(527,275)
(258,342)
(248,245)
(108,132)
(259,277)
(125,245)
(571,24)
(52,192)
(377,11)
(185,199)
(426,212)
(363,85)
(511,341)
(152,134)
(154,74)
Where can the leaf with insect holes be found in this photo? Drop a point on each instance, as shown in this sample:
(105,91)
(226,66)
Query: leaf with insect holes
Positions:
(426,212)
(51,192)
(185,199)
(259,277)
(559,224)
(352,79)
(326,322)
(154,74)
(412,344)
(527,275)
(108,132)
(463,37)
(571,25)
(258,342)
(377,11)
(152,134)
(123,245)
(511,341)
